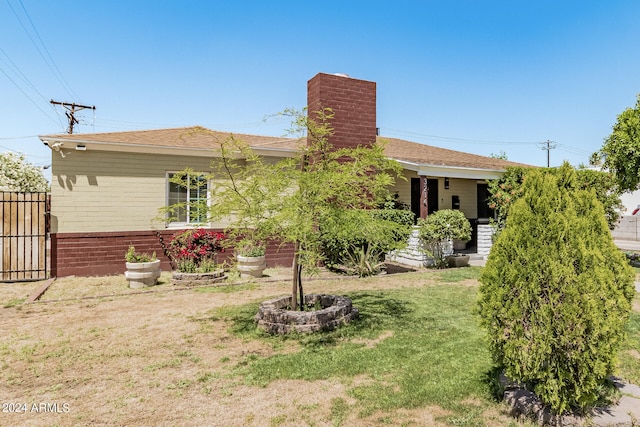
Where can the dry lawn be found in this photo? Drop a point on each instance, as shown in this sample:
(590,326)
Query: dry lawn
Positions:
(93,352)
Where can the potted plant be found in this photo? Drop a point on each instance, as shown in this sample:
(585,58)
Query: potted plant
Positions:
(437,233)
(142,269)
(194,253)
(251,258)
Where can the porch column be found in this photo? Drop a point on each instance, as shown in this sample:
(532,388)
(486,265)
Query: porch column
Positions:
(424,199)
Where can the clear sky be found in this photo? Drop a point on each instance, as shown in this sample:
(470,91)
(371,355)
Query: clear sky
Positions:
(472,75)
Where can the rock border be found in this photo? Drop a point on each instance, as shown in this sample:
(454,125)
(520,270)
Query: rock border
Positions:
(335,310)
(198,279)
(525,404)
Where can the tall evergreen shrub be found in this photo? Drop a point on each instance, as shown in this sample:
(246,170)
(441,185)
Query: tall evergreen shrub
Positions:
(556,293)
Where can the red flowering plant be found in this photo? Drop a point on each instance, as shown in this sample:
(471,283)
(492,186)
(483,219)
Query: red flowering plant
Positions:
(195,251)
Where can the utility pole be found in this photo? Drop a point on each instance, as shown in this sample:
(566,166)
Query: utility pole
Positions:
(549,145)
(72,108)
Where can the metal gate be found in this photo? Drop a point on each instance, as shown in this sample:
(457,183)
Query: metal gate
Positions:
(24,231)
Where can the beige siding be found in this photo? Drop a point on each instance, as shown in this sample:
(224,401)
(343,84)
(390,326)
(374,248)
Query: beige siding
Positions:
(99,191)
(403,186)
(95,191)
(465,189)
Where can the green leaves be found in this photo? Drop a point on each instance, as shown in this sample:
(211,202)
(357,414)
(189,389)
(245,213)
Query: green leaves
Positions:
(439,229)
(621,150)
(261,198)
(556,293)
(445,224)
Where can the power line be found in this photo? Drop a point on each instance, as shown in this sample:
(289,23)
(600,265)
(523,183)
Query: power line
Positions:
(453,139)
(12,66)
(18,137)
(574,150)
(18,72)
(50,62)
(28,97)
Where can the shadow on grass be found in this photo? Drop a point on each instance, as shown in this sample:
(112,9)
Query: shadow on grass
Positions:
(377,312)
(491,379)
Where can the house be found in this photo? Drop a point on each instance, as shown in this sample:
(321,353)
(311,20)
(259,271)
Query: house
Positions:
(107,188)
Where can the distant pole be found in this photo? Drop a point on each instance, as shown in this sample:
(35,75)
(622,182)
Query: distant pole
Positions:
(72,108)
(549,145)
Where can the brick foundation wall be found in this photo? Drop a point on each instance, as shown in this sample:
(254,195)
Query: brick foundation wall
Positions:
(353,103)
(97,254)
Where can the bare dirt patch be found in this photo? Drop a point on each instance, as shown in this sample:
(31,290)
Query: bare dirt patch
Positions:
(374,342)
(96,353)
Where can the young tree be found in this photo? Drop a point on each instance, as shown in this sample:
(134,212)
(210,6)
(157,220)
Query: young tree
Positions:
(556,293)
(620,153)
(16,174)
(285,200)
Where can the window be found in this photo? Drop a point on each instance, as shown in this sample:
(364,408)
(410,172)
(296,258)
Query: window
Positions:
(189,196)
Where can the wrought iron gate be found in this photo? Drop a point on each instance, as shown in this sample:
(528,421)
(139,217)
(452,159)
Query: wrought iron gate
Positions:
(24,232)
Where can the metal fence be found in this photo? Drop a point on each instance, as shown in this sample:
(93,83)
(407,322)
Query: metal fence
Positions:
(24,232)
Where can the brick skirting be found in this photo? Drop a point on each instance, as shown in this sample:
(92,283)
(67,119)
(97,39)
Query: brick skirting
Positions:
(98,254)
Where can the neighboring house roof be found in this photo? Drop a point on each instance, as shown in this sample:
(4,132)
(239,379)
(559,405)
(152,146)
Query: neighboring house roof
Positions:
(197,140)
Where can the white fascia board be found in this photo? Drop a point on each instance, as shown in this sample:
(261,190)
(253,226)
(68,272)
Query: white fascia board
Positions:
(424,169)
(71,144)
(458,172)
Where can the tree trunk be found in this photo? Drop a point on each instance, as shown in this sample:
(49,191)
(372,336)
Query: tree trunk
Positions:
(299,272)
(294,287)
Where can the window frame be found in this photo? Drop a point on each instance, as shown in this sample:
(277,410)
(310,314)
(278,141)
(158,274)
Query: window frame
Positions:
(188,223)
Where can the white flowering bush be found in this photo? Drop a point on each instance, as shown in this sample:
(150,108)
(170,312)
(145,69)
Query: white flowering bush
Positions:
(17,174)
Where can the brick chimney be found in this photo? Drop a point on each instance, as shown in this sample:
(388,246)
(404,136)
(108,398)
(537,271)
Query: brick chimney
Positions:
(354,106)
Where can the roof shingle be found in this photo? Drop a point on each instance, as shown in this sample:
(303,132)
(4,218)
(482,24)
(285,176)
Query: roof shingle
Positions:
(199,137)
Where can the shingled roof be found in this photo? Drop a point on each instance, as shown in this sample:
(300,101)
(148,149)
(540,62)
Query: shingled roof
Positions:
(198,137)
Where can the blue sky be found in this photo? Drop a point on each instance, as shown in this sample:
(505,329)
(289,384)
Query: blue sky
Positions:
(470,75)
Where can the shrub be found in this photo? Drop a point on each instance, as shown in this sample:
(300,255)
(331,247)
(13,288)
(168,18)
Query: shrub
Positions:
(439,229)
(358,238)
(133,256)
(196,250)
(398,216)
(556,293)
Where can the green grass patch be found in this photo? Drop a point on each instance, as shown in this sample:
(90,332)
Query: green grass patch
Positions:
(629,359)
(339,411)
(435,354)
(452,275)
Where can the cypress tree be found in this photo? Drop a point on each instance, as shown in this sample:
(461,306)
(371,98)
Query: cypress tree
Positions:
(555,295)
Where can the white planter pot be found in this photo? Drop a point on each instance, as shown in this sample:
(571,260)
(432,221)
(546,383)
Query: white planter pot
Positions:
(251,267)
(141,274)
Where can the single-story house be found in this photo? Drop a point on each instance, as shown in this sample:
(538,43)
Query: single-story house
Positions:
(107,188)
